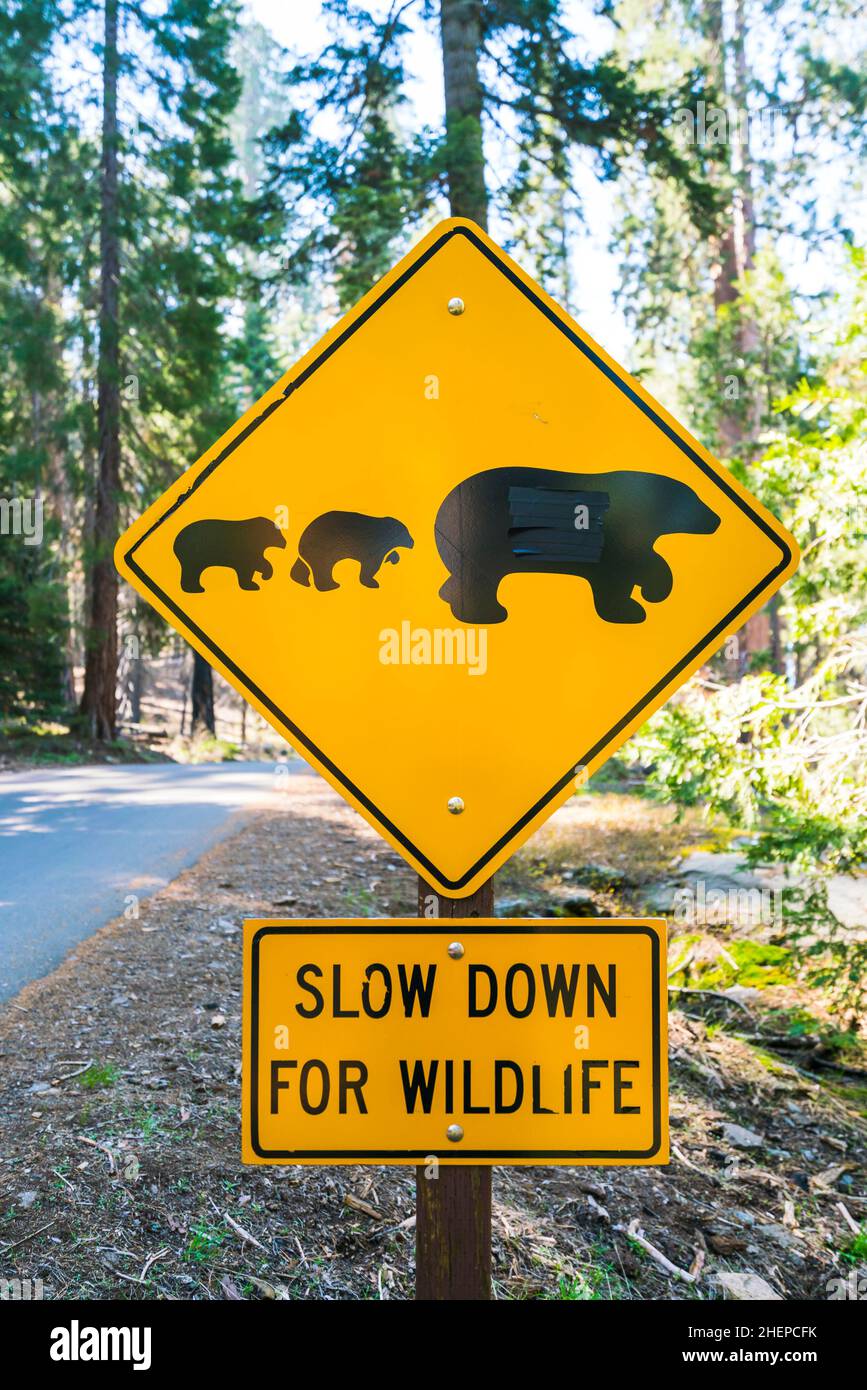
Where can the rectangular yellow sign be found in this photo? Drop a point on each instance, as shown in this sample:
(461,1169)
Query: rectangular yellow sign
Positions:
(487,1041)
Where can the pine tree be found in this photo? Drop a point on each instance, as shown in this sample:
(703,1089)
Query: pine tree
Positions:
(98,704)
(256,58)
(494,53)
(718,305)
(461,43)
(171,214)
(36,148)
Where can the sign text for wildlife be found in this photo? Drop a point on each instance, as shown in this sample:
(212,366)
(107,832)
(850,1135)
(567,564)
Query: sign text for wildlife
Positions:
(494,1041)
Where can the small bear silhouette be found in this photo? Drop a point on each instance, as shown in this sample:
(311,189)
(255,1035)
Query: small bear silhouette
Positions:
(371,540)
(599,526)
(234,545)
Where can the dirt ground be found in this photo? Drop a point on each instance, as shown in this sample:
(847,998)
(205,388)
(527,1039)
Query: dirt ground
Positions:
(119,1121)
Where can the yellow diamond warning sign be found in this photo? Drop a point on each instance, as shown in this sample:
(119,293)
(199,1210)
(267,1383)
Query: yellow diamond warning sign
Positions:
(494,1042)
(456,556)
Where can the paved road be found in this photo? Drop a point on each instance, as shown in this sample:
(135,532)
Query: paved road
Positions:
(74,843)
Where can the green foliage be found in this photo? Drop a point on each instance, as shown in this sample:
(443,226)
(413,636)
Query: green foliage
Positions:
(348,154)
(780,762)
(786,755)
(754,964)
(204,1242)
(34,152)
(815,474)
(576,1289)
(181,220)
(204,748)
(855,1253)
(97,1077)
(749,356)
(783,115)
(598,1280)
(233,246)
(33,626)
(365,188)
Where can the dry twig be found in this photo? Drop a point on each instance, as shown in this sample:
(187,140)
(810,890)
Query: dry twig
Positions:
(38,1232)
(104,1149)
(662,1260)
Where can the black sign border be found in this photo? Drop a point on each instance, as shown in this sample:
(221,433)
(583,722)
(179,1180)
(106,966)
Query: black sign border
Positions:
(296,734)
(379,929)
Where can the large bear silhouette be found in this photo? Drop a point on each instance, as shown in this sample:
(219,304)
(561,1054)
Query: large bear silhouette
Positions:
(234,545)
(348,536)
(599,526)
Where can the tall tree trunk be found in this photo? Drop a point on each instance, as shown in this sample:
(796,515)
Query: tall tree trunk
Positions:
(202,696)
(744,215)
(737,243)
(739,426)
(59,499)
(59,496)
(98,703)
(461,36)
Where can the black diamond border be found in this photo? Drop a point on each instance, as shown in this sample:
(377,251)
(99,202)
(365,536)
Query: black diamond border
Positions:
(297,735)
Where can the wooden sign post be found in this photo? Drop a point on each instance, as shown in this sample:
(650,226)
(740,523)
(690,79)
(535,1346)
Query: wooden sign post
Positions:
(453,1204)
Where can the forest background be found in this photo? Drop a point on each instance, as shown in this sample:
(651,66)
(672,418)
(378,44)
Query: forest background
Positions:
(191,191)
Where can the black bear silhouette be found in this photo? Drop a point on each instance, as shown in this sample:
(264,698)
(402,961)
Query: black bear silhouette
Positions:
(348,536)
(234,545)
(599,526)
